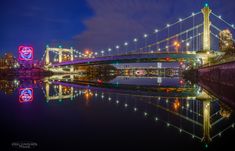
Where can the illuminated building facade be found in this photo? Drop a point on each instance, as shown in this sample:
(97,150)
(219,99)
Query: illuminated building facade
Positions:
(8,61)
(226,41)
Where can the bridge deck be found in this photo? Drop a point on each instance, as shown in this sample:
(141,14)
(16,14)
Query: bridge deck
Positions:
(134,58)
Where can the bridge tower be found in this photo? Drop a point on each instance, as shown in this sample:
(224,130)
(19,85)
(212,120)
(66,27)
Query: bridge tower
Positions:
(60,95)
(206,99)
(206,30)
(60,51)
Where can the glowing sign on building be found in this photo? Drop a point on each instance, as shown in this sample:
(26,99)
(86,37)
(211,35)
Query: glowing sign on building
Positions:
(25,95)
(25,53)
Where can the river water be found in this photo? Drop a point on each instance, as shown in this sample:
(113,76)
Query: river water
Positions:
(65,112)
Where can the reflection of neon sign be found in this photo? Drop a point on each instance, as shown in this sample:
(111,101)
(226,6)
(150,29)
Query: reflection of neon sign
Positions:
(25,53)
(26,95)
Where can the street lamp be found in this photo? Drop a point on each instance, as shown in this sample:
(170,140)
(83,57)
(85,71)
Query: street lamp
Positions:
(135,41)
(109,50)
(126,44)
(117,47)
(145,38)
(187,46)
(156,31)
(102,52)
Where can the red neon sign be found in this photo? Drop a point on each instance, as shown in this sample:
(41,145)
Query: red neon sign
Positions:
(25,53)
(25,95)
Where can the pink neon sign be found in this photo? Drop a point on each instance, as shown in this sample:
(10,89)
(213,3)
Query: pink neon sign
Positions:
(25,53)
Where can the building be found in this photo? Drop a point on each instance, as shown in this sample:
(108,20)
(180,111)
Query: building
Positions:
(226,43)
(8,61)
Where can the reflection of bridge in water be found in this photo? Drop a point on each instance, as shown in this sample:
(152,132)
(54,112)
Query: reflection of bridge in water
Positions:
(199,115)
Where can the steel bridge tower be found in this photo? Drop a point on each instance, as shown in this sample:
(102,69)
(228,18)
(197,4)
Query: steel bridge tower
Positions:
(206,28)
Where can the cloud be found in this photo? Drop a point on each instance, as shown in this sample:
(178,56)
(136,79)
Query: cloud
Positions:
(116,21)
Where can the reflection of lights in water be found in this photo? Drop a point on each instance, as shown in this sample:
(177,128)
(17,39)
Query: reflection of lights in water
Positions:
(135,109)
(88,94)
(159,80)
(225,113)
(25,95)
(181,82)
(145,113)
(156,119)
(167,100)
(176,104)
(187,104)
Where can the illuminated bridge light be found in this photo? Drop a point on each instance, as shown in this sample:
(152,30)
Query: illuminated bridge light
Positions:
(135,109)
(126,105)
(109,98)
(117,101)
(156,119)
(167,100)
(145,113)
(168,124)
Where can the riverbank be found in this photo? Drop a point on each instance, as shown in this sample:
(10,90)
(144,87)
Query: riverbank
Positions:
(217,79)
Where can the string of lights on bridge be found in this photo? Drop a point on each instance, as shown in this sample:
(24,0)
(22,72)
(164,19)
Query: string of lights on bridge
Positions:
(220,18)
(156,31)
(157,43)
(145,36)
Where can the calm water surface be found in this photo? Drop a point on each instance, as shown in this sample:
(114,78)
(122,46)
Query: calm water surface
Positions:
(126,112)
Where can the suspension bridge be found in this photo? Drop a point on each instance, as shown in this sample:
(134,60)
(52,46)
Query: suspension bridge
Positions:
(192,40)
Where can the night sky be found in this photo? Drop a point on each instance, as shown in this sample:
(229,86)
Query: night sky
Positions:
(95,24)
